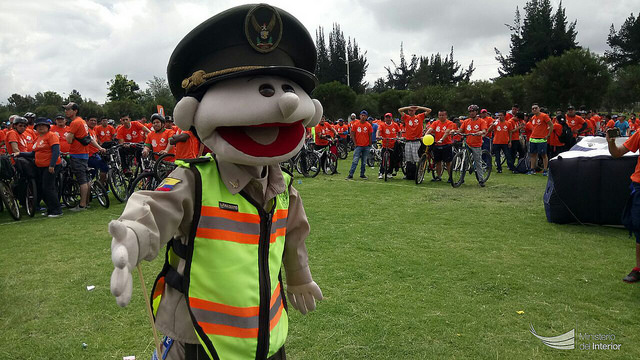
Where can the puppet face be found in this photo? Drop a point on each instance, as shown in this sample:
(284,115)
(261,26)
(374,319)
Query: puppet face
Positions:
(253,120)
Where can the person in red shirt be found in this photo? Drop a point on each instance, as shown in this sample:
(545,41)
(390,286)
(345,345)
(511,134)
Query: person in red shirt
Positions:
(414,129)
(502,130)
(542,128)
(442,149)
(158,140)
(361,132)
(631,215)
(575,122)
(46,152)
(476,127)
(388,131)
(78,153)
(105,133)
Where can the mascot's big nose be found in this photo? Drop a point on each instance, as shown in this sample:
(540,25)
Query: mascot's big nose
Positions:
(288,104)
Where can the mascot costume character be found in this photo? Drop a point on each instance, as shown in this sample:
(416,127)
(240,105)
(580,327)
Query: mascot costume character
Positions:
(231,220)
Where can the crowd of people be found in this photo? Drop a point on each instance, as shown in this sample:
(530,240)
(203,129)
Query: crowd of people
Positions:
(512,134)
(37,144)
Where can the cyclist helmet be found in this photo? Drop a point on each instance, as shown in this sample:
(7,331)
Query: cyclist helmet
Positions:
(473,108)
(19,120)
(29,115)
(157,116)
(43,121)
(111,122)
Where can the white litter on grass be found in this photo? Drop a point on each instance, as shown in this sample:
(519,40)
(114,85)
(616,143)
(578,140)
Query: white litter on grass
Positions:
(90,287)
(132,357)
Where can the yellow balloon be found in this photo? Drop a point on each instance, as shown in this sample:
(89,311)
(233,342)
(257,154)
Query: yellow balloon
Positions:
(428,140)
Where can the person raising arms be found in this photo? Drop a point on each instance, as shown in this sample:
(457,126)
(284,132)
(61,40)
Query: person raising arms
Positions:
(414,129)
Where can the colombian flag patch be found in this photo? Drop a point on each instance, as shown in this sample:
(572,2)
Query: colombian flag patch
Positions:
(167,184)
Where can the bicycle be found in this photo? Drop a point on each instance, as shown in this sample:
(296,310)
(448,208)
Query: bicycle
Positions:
(463,162)
(425,164)
(153,170)
(7,199)
(307,162)
(24,185)
(386,166)
(375,155)
(328,160)
(118,183)
(70,188)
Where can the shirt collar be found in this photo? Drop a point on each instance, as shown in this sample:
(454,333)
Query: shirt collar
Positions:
(236,177)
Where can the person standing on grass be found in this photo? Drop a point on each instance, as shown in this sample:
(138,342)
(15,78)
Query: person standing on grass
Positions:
(388,132)
(623,125)
(476,127)
(542,128)
(575,122)
(361,132)
(502,134)
(442,149)
(631,215)
(46,152)
(414,129)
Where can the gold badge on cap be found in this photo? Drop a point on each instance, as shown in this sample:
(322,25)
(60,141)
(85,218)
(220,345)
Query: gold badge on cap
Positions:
(263,28)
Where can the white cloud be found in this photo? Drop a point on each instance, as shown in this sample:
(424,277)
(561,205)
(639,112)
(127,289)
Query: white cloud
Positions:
(81,44)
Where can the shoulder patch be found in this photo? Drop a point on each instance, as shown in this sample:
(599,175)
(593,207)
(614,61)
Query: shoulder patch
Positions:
(167,184)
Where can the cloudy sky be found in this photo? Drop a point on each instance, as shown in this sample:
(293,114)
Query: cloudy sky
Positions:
(81,44)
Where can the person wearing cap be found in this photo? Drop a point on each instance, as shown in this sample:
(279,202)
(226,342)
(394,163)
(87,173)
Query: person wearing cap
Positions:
(77,137)
(158,140)
(46,153)
(388,131)
(575,121)
(106,133)
(61,129)
(361,131)
(413,131)
(352,118)
(168,123)
(231,221)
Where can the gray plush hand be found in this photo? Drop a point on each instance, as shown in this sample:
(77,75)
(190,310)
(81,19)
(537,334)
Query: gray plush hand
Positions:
(303,297)
(124,255)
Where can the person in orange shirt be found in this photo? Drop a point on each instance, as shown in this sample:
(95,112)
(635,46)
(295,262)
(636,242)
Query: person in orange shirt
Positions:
(414,129)
(517,148)
(488,120)
(388,131)
(575,122)
(105,133)
(323,133)
(631,215)
(514,110)
(361,132)
(343,131)
(443,148)
(169,124)
(95,160)
(502,141)
(61,129)
(46,152)
(158,140)
(78,136)
(610,122)
(186,145)
(15,137)
(3,135)
(476,127)
(130,132)
(555,145)
(542,128)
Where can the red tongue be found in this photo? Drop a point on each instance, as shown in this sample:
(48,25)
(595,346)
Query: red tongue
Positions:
(288,138)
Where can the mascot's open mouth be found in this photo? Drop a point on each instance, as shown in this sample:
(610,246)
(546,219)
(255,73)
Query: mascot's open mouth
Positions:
(287,137)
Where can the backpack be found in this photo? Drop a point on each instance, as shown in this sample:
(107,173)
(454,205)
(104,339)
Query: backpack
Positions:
(567,135)
(524,165)
(6,169)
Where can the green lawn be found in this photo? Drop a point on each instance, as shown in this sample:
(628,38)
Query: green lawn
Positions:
(408,272)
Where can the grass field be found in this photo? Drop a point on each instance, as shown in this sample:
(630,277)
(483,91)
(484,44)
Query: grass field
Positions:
(408,272)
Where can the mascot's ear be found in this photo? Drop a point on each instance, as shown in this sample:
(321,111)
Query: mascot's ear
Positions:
(316,117)
(185,111)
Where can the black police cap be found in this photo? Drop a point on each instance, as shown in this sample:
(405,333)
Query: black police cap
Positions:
(245,40)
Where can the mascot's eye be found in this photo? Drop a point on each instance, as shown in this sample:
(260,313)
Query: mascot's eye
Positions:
(266,90)
(287,88)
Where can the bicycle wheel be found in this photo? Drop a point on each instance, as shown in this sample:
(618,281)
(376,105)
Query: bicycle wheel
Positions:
(164,167)
(486,165)
(31,198)
(287,165)
(71,193)
(330,164)
(10,202)
(98,191)
(371,161)
(118,184)
(144,181)
(313,165)
(386,164)
(301,165)
(458,170)
(421,168)
(343,152)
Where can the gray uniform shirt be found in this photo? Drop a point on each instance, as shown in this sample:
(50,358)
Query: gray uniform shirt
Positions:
(157,216)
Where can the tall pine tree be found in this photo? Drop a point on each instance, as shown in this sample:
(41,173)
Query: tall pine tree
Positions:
(625,44)
(537,37)
(332,59)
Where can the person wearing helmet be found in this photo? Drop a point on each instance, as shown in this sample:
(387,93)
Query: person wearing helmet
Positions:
(158,139)
(15,137)
(46,153)
(476,127)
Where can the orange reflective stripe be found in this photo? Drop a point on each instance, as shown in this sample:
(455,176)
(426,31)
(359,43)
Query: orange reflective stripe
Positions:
(278,232)
(217,234)
(159,288)
(280,214)
(274,296)
(222,308)
(276,318)
(226,330)
(231,215)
